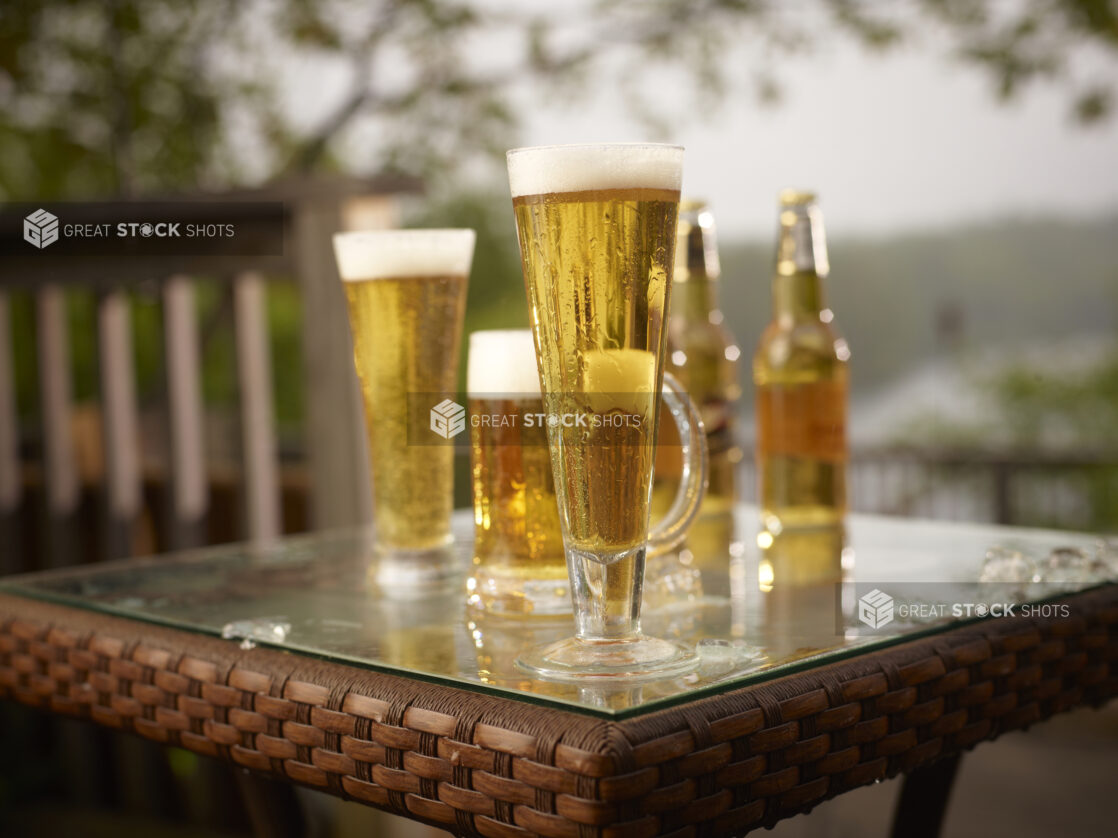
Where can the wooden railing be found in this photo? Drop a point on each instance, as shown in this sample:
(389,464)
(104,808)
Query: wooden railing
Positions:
(1065,490)
(55,527)
(337,479)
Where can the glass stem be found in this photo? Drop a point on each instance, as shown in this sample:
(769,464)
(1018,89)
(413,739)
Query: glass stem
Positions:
(606,595)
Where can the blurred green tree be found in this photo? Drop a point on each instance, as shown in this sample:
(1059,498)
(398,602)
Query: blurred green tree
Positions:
(1066,417)
(103,97)
(1041,409)
(1033,409)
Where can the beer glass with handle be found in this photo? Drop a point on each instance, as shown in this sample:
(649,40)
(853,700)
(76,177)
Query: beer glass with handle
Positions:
(406,295)
(518,563)
(597,229)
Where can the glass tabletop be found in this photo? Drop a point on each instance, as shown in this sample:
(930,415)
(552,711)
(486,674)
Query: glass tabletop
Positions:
(748,602)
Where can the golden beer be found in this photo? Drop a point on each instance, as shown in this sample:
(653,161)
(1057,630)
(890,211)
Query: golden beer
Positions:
(801,376)
(598,284)
(518,563)
(406,295)
(703,355)
(597,238)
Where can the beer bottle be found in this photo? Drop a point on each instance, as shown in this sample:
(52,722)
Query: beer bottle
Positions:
(703,355)
(800,372)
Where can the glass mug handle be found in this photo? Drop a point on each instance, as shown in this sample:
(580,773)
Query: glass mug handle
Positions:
(670,531)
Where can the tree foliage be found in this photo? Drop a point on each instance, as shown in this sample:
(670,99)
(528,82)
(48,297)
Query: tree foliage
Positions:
(1043,408)
(103,97)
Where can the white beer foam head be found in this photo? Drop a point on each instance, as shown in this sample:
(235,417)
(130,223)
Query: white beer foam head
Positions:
(503,361)
(383,254)
(578,168)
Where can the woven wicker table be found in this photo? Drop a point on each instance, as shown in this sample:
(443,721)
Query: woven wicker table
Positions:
(416,707)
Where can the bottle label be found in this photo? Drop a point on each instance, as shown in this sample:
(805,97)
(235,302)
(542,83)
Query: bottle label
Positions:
(803,420)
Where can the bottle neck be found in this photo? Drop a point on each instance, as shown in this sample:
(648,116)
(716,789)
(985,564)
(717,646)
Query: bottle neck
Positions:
(798,297)
(695,288)
(696,298)
(801,263)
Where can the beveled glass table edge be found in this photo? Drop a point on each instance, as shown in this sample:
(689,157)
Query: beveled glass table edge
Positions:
(751,679)
(336,658)
(18,585)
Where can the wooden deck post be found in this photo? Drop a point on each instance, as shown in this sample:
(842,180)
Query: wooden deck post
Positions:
(120,424)
(258,425)
(188,494)
(62,488)
(337,448)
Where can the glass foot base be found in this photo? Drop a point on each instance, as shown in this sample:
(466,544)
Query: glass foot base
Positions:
(415,573)
(582,661)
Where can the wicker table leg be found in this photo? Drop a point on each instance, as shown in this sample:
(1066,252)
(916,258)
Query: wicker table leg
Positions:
(273,808)
(923,802)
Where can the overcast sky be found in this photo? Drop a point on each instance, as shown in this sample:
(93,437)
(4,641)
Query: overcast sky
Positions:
(900,141)
(905,140)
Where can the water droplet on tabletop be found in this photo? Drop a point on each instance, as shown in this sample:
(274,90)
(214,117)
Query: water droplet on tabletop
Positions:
(1070,566)
(257,629)
(1003,564)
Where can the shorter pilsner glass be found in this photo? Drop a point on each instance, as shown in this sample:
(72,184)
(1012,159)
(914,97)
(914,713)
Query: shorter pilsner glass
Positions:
(406,295)
(518,564)
(597,229)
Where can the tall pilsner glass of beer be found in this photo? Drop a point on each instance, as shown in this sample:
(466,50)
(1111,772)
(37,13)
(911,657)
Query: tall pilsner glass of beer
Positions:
(518,565)
(406,294)
(597,230)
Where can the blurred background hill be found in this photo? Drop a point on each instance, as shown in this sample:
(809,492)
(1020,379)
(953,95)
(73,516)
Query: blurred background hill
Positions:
(907,299)
(937,318)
